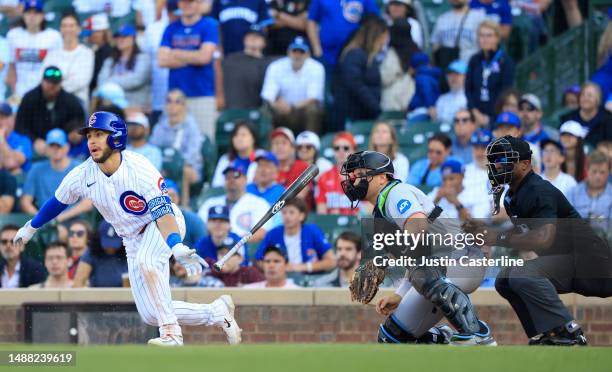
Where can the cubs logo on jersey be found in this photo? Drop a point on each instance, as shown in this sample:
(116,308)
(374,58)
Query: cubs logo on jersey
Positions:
(133,203)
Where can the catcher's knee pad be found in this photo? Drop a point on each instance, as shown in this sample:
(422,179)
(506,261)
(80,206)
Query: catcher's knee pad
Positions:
(391,332)
(456,306)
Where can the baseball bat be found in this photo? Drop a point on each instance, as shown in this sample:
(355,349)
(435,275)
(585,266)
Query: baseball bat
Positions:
(291,192)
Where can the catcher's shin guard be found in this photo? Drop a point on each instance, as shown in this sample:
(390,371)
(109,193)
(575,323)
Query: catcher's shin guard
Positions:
(391,332)
(456,306)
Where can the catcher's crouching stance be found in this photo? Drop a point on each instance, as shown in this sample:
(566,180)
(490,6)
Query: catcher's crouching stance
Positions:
(426,294)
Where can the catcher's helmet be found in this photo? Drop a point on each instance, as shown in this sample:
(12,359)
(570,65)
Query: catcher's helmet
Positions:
(374,161)
(108,122)
(502,154)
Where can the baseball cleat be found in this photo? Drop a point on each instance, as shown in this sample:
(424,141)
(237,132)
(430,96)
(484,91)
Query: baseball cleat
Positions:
(230,326)
(167,341)
(481,338)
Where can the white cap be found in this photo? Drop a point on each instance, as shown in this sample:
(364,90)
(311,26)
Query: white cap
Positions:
(308,138)
(138,118)
(574,128)
(97,22)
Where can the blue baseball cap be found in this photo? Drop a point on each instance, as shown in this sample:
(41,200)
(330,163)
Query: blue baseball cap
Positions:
(235,166)
(419,59)
(452,166)
(109,237)
(266,155)
(299,44)
(33,4)
(56,137)
(125,30)
(218,212)
(458,67)
(5,109)
(508,118)
(481,137)
(171,185)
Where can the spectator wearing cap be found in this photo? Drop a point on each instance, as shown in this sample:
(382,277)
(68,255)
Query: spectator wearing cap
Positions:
(592,197)
(456,28)
(49,106)
(293,88)
(177,129)
(530,111)
(105,263)
(179,278)
(456,200)
(264,183)
(194,227)
(57,260)
(282,144)
(245,209)
(383,138)
(570,97)
(97,30)
(397,84)
(490,72)
(553,157)
(234,273)
(475,176)
(591,115)
(159,75)
(307,249)
(289,21)
(358,85)
(15,148)
(243,72)
(274,263)
(463,127)
(427,88)
(403,12)
(329,196)
(29,44)
(331,24)
(236,18)
(572,138)
(509,124)
(187,49)
(242,150)
(308,147)
(75,60)
(218,235)
(109,94)
(449,103)
(129,67)
(138,135)
(45,176)
(427,171)
(497,11)
(17,270)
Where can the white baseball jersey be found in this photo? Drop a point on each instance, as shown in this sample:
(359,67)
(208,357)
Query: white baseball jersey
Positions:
(120,198)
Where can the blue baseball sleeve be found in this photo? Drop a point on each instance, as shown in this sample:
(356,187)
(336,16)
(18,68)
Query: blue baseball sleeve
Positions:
(51,209)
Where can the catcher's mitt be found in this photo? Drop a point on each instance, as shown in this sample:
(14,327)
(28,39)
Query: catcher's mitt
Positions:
(365,282)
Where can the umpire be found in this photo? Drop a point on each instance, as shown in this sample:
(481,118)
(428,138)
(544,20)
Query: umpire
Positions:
(562,253)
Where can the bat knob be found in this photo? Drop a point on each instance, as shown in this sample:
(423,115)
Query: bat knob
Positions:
(217,266)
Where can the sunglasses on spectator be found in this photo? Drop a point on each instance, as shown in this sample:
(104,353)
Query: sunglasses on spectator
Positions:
(462,120)
(528,108)
(6,241)
(177,101)
(343,148)
(305,147)
(233,174)
(51,73)
(80,233)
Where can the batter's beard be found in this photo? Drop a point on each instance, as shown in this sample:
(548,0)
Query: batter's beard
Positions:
(106,153)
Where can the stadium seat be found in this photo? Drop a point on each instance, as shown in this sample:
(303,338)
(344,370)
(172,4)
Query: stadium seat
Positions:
(414,151)
(210,156)
(34,248)
(418,133)
(172,165)
(332,224)
(209,193)
(227,120)
(393,116)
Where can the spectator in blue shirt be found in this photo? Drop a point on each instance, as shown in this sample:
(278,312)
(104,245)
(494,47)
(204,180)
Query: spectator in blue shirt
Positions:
(498,11)
(464,127)
(236,18)
(15,148)
(428,171)
(193,223)
(422,106)
(331,22)
(264,183)
(187,49)
(307,249)
(105,263)
(592,197)
(45,176)
(219,235)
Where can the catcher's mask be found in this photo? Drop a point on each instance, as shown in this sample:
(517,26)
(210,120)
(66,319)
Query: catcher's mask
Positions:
(502,155)
(374,162)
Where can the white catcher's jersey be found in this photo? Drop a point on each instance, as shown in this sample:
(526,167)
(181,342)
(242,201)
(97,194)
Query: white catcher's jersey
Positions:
(403,200)
(120,198)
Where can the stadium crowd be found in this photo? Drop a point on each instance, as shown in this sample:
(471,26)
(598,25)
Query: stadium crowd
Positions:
(320,72)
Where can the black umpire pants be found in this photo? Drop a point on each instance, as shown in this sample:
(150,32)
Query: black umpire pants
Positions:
(533,291)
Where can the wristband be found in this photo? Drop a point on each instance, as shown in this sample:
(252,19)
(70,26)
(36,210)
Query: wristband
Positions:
(173,239)
(309,267)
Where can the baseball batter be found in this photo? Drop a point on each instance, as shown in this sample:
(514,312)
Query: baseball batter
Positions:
(131,195)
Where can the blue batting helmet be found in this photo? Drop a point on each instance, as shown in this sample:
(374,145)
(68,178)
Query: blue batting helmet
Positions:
(108,122)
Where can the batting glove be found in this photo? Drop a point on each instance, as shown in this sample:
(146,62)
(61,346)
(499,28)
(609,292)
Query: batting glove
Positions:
(25,234)
(189,259)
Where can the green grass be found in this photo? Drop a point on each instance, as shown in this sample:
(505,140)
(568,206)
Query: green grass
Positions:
(332,357)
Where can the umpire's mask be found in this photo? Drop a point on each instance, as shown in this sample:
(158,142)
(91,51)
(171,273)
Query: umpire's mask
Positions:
(502,154)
